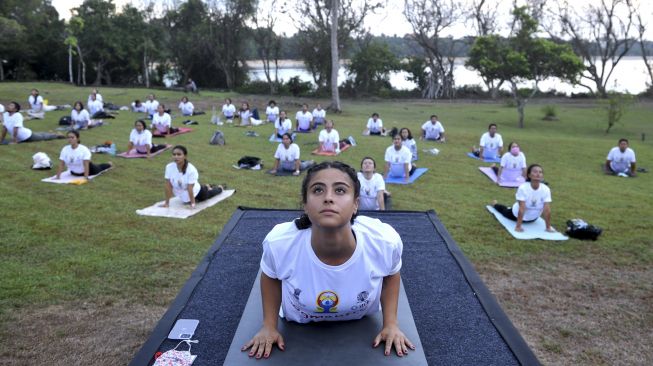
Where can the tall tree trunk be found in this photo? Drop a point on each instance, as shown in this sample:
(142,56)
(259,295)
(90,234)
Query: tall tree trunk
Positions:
(335,62)
(2,72)
(98,76)
(146,72)
(81,60)
(70,64)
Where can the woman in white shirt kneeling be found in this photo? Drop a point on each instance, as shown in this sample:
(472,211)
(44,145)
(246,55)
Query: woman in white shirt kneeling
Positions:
(346,265)
(182,180)
(140,139)
(77,158)
(372,186)
(533,200)
(287,157)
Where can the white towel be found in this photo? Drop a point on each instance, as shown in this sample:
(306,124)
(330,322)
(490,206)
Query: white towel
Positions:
(179,210)
(68,178)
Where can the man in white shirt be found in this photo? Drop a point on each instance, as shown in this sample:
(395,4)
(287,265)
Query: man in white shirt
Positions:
(319,115)
(433,130)
(491,144)
(12,124)
(151,105)
(398,160)
(304,120)
(621,160)
(329,139)
(374,126)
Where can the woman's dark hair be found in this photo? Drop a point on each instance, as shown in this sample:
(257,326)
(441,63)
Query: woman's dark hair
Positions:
(528,170)
(492,124)
(272,102)
(303,222)
(623,140)
(74,132)
(81,105)
(16,105)
(241,106)
(227,99)
(141,122)
(370,158)
(410,135)
(287,134)
(185,151)
(37,93)
(184,97)
(162,106)
(375,114)
(512,143)
(137,102)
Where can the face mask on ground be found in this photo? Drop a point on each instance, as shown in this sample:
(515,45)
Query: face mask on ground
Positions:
(176,358)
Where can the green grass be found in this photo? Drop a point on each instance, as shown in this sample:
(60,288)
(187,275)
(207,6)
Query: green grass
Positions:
(63,243)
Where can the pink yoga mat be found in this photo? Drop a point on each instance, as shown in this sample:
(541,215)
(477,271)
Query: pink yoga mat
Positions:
(181,130)
(493,177)
(329,153)
(133,154)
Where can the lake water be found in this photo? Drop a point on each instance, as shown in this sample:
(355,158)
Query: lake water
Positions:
(629,75)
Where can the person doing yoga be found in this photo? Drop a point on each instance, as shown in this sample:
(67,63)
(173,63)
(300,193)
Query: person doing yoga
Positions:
(372,186)
(287,157)
(140,139)
(182,180)
(512,166)
(162,122)
(329,139)
(533,200)
(329,264)
(621,160)
(491,144)
(12,124)
(398,160)
(77,158)
(408,141)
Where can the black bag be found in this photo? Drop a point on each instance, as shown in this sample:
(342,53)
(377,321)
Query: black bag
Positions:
(248,162)
(65,121)
(579,229)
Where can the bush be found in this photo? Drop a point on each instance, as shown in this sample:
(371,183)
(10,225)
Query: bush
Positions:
(615,106)
(298,87)
(550,112)
(254,87)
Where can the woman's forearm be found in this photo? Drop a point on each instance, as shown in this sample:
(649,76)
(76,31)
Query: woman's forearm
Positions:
(390,298)
(271,297)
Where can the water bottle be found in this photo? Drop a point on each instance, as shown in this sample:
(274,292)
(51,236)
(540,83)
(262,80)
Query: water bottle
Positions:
(112,151)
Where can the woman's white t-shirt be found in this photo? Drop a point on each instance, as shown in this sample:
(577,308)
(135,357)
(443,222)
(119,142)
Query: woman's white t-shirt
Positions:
(98,97)
(412,146)
(328,139)
(319,115)
(141,140)
(432,131)
(16,120)
(369,191)
(491,145)
(304,120)
(620,161)
(374,126)
(74,158)
(151,106)
(229,110)
(162,122)
(287,156)
(35,104)
(512,166)
(283,126)
(534,200)
(314,291)
(180,181)
(138,109)
(81,116)
(272,113)
(186,108)
(95,106)
(397,159)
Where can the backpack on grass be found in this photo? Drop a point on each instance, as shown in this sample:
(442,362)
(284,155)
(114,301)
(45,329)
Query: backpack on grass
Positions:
(217,138)
(579,229)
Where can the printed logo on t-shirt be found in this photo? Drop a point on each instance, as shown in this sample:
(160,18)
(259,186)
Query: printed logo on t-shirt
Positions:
(180,184)
(514,165)
(533,202)
(327,302)
(362,300)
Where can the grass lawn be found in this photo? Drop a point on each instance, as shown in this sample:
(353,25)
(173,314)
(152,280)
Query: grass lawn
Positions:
(78,265)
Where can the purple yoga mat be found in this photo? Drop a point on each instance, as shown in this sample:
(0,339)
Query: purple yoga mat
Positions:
(493,177)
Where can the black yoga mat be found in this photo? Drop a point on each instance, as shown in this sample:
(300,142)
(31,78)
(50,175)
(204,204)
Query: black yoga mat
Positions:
(459,322)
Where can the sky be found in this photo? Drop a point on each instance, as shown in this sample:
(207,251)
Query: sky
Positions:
(388,21)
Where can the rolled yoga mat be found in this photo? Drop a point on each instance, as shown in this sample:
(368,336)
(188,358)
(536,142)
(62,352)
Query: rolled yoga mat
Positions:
(458,320)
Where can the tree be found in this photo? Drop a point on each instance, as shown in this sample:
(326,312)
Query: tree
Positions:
(522,57)
(335,58)
(268,42)
(372,65)
(75,27)
(484,17)
(11,32)
(429,19)
(601,35)
(641,30)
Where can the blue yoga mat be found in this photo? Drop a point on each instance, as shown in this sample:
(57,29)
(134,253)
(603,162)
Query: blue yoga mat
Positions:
(400,180)
(493,160)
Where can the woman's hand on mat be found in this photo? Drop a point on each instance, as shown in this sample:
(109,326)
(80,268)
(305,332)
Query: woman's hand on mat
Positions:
(519,229)
(273,171)
(165,204)
(192,205)
(393,336)
(261,344)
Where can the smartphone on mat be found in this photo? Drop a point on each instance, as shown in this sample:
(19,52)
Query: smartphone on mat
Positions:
(183,329)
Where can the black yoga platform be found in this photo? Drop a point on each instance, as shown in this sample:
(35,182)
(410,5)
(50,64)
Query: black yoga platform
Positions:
(457,319)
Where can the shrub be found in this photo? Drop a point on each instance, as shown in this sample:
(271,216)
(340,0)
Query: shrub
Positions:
(550,112)
(615,106)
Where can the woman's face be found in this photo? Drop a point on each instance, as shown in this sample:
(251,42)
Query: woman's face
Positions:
(330,201)
(367,166)
(404,134)
(184,100)
(160,109)
(245,106)
(286,141)
(536,174)
(227,101)
(72,139)
(139,127)
(178,156)
(34,92)
(514,149)
(396,141)
(78,107)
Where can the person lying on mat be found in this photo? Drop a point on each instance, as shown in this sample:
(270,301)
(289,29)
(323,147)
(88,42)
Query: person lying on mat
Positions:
(512,166)
(398,160)
(151,106)
(329,264)
(186,107)
(491,144)
(12,124)
(162,123)
(329,138)
(621,160)
(372,186)
(304,120)
(374,126)
(77,158)
(319,115)
(140,139)
(408,141)
(287,156)
(182,180)
(282,125)
(433,130)
(533,200)
(228,110)
(272,111)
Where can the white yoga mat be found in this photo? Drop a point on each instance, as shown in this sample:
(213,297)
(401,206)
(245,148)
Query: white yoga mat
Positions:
(68,178)
(179,210)
(532,230)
